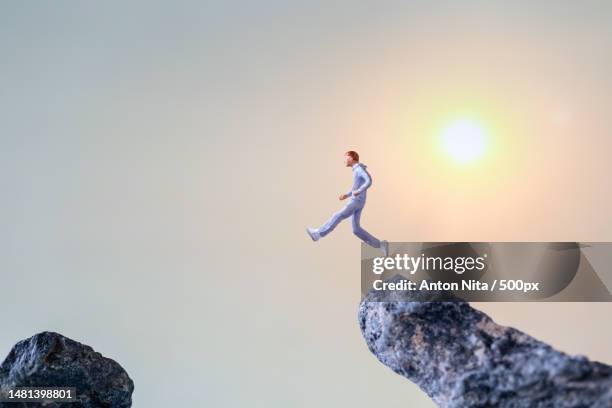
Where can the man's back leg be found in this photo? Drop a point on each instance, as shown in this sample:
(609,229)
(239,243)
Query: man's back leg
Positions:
(364,235)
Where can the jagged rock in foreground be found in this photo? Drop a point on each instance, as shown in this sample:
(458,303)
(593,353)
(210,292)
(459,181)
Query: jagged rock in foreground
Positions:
(462,358)
(51,360)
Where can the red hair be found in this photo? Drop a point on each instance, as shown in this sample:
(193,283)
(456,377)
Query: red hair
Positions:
(353,154)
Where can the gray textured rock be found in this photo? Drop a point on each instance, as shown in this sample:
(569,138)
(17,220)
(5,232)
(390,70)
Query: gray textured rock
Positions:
(462,358)
(52,360)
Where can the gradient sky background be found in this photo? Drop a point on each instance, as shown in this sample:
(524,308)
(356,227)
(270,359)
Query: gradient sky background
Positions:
(160,160)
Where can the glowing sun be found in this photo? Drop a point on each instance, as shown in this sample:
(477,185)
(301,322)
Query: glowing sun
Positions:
(465,141)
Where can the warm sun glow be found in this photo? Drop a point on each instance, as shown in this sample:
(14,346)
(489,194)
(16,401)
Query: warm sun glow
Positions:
(464,141)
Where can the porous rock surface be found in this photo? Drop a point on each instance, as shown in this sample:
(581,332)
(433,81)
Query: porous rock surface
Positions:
(51,360)
(461,358)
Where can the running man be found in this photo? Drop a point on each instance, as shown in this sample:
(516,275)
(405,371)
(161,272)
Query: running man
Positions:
(361,182)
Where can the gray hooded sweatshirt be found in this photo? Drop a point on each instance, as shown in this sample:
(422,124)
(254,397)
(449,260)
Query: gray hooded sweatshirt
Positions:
(361,182)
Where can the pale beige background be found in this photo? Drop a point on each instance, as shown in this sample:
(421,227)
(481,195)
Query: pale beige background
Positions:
(160,160)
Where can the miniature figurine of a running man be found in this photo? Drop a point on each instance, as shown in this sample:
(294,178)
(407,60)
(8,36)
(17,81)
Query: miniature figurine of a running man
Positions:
(361,182)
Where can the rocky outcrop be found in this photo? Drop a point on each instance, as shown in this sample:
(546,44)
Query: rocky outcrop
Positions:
(461,358)
(52,360)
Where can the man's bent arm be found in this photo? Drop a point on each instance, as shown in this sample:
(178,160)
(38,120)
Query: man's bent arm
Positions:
(367,184)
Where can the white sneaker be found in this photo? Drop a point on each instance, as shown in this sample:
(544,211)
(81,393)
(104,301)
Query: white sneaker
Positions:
(384,245)
(314,233)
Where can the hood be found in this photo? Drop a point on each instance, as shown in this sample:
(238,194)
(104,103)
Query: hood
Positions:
(363,166)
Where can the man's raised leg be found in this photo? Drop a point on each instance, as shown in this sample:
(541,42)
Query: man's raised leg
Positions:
(335,219)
